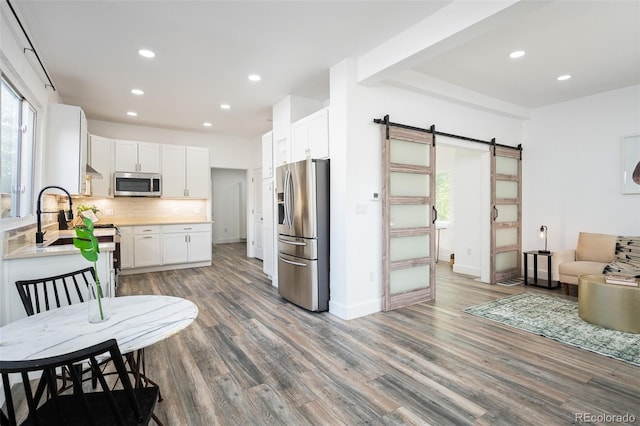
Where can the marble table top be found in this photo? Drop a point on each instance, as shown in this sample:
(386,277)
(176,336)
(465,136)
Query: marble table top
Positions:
(136,322)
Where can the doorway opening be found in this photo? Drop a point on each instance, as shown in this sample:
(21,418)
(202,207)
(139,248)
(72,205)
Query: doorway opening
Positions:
(228,205)
(463,204)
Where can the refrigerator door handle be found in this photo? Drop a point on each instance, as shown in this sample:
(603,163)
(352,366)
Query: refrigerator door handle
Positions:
(290,199)
(292,263)
(293,243)
(285,191)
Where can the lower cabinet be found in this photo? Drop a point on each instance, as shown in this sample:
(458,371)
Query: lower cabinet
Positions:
(147,246)
(186,243)
(157,246)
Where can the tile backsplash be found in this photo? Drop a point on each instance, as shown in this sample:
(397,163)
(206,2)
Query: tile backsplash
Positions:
(141,207)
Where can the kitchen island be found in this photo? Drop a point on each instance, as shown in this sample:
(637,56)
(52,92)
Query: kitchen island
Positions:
(24,260)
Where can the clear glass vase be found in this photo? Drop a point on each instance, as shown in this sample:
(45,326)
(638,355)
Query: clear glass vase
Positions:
(99,303)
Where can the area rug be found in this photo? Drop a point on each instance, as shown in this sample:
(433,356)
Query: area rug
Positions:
(557,319)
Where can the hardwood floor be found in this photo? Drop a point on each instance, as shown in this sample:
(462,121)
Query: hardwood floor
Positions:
(251,358)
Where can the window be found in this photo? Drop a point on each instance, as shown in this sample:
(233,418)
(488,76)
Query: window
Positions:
(442,196)
(17,143)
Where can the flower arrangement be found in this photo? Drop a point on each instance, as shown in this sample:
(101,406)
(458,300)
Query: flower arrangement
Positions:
(89,248)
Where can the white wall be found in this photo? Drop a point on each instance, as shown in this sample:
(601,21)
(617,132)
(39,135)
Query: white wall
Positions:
(229,205)
(224,151)
(571,169)
(355,146)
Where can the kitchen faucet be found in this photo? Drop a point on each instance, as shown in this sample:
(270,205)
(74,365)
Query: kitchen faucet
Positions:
(39,233)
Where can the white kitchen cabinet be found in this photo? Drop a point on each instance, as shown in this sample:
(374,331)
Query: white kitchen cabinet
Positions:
(126,247)
(281,151)
(310,136)
(147,246)
(132,156)
(66,148)
(185,171)
(318,141)
(300,140)
(267,155)
(101,158)
(186,243)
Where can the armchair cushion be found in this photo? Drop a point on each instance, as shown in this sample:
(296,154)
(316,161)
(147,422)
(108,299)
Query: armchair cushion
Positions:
(571,271)
(596,248)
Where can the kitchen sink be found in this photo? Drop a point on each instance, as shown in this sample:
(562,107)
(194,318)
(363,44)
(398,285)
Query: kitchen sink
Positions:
(69,240)
(62,241)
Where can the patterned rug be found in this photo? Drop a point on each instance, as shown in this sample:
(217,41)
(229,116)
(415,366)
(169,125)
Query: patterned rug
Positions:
(557,319)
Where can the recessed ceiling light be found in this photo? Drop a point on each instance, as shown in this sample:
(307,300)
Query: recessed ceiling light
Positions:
(132,114)
(137,92)
(255,77)
(516,54)
(564,77)
(207,124)
(225,106)
(146,53)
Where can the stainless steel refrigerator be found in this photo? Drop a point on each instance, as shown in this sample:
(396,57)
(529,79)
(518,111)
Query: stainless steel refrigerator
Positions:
(302,190)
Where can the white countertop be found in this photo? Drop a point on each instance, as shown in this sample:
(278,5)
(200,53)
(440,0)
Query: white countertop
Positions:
(135,221)
(34,250)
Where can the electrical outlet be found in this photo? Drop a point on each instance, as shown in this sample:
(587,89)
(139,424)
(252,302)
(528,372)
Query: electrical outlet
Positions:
(469,251)
(176,210)
(108,212)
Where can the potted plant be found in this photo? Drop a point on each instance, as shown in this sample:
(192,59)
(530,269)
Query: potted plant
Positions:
(88,244)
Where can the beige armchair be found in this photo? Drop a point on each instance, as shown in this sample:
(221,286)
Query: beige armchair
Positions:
(593,253)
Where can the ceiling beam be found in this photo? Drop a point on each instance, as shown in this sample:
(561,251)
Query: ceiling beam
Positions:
(450,26)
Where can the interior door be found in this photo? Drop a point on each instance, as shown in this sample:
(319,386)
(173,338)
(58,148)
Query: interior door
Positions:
(506,218)
(258,217)
(408,217)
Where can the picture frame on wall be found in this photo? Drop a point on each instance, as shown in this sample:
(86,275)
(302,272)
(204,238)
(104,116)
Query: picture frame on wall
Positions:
(631,164)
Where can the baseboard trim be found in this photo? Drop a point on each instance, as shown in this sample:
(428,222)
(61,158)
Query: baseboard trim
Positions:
(467,270)
(355,311)
(159,268)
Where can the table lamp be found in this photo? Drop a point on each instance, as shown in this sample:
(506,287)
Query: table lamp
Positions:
(543,234)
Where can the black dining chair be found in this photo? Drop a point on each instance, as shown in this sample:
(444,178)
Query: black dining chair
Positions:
(43,294)
(122,406)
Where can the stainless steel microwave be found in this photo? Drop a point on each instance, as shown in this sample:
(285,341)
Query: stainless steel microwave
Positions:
(132,184)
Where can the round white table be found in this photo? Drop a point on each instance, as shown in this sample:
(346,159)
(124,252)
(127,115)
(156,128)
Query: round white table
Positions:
(136,322)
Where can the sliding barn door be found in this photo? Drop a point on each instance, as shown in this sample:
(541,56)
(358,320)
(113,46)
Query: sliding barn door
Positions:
(408,217)
(506,223)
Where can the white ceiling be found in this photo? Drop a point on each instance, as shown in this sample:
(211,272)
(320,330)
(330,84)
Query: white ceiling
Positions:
(206,49)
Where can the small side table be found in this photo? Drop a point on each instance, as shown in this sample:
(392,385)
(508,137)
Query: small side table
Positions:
(548,283)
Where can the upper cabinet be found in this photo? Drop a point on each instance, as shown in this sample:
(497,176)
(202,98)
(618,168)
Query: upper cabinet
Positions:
(101,158)
(310,136)
(66,148)
(267,155)
(185,171)
(132,156)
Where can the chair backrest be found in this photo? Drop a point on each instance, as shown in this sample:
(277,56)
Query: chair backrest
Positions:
(126,406)
(42,294)
(596,247)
